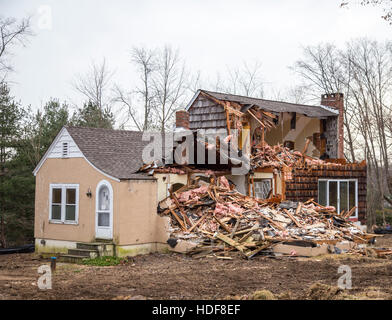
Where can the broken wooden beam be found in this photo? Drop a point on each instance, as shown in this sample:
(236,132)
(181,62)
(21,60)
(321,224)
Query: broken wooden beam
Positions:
(230,242)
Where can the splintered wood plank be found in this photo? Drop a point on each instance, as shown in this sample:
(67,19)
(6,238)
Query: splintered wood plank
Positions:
(245,230)
(231,242)
(251,254)
(184,215)
(178,219)
(299,208)
(223,225)
(224,258)
(275,223)
(309,201)
(257,119)
(293,218)
(235,228)
(232,110)
(358,239)
(246,236)
(349,213)
(198,222)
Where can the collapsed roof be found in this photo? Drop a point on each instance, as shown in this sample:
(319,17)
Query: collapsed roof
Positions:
(275,107)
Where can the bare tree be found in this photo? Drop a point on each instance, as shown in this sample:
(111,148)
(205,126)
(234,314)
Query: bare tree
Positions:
(169,85)
(371,85)
(363,72)
(324,70)
(245,80)
(95,84)
(145,62)
(195,82)
(295,94)
(12,33)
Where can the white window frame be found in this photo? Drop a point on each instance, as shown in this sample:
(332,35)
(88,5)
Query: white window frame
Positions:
(260,179)
(109,229)
(63,188)
(338,193)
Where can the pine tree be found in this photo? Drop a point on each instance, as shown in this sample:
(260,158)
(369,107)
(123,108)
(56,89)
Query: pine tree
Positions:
(41,129)
(91,115)
(11,116)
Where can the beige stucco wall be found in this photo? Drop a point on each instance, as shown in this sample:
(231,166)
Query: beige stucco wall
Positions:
(166,179)
(75,171)
(135,220)
(138,221)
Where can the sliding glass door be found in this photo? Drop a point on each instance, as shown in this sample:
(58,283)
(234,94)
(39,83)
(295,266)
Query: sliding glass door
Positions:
(341,194)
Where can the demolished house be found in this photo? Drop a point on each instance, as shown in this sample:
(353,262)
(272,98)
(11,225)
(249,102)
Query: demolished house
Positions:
(295,151)
(96,196)
(298,187)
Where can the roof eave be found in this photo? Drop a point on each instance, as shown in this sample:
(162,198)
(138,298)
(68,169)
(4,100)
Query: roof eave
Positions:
(193,100)
(41,162)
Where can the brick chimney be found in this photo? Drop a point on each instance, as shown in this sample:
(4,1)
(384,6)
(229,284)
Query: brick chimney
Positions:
(336,101)
(182,119)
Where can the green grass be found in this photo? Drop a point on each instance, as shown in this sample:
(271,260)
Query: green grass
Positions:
(104,261)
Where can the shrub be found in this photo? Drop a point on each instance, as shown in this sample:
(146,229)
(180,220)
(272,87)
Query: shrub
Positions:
(104,261)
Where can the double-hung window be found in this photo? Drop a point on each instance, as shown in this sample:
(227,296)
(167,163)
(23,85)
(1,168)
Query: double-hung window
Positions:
(64,203)
(339,193)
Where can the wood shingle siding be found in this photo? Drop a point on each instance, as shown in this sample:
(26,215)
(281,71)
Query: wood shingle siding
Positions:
(304,183)
(205,114)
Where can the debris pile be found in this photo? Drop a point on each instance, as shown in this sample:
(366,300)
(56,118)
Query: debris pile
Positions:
(372,252)
(279,156)
(222,220)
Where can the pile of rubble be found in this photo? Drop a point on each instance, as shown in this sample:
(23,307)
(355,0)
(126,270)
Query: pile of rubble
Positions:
(279,156)
(383,253)
(220,220)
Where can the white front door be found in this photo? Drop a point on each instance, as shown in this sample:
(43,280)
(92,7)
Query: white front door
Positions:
(104,211)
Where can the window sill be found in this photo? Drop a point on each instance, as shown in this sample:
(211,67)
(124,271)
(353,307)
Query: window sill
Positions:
(63,222)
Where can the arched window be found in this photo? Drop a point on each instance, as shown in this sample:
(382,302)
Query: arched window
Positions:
(104,198)
(104,210)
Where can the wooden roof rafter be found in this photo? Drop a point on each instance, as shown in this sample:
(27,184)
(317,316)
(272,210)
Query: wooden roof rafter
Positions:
(234,108)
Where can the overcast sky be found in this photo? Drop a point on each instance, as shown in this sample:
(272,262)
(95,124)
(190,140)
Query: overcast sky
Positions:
(209,34)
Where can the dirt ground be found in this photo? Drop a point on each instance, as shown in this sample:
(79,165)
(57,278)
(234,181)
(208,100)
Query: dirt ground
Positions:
(174,276)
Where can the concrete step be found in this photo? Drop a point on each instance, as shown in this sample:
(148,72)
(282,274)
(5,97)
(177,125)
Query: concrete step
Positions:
(84,253)
(88,245)
(107,241)
(103,248)
(70,258)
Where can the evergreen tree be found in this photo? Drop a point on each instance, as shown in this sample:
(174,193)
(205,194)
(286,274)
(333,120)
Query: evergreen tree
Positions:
(91,115)
(42,128)
(11,116)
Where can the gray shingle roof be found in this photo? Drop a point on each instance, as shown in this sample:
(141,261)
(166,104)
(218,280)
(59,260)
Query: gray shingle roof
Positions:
(116,152)
(275,106)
